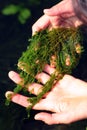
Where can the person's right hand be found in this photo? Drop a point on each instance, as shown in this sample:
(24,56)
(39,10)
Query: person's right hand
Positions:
(62,14)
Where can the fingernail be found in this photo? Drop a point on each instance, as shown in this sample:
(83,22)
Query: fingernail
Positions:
(45,10)
(11,74)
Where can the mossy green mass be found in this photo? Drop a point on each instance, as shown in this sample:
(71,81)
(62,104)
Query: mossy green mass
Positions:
(61,47)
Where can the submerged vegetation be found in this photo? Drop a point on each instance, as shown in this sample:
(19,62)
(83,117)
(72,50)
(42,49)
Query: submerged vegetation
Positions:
(61,48)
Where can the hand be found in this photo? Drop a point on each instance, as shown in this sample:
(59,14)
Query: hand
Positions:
(62,14)
(67,100)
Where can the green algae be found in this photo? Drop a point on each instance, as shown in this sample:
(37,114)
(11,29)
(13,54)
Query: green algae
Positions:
(61,47)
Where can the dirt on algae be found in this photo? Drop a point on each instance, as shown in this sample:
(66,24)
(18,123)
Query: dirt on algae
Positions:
(61,48)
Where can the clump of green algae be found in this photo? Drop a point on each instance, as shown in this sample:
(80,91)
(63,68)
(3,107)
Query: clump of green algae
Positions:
(64,44)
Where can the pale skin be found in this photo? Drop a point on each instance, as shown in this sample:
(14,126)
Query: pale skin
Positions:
(61,14)
(68,98)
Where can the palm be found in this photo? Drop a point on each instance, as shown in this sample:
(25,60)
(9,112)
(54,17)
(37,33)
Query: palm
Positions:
(65,90)
(64,101)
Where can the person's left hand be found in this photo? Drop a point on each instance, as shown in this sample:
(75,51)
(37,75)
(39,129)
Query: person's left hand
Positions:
(67,100)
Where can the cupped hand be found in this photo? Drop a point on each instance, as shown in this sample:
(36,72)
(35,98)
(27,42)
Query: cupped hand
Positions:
(61,14)
(67,101)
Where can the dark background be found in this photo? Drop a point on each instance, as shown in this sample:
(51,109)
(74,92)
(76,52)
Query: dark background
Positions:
(13,41)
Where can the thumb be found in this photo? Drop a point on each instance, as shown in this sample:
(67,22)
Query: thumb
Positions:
(50,119)
(45,117)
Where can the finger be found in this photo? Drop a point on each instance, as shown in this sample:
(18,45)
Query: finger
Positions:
(35,88)
(45,117)
(16,78)
(21,100)
(59,9)
(54,118)
(48,69)
(55,10)
(42,77)
(41,24)
(18,99)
